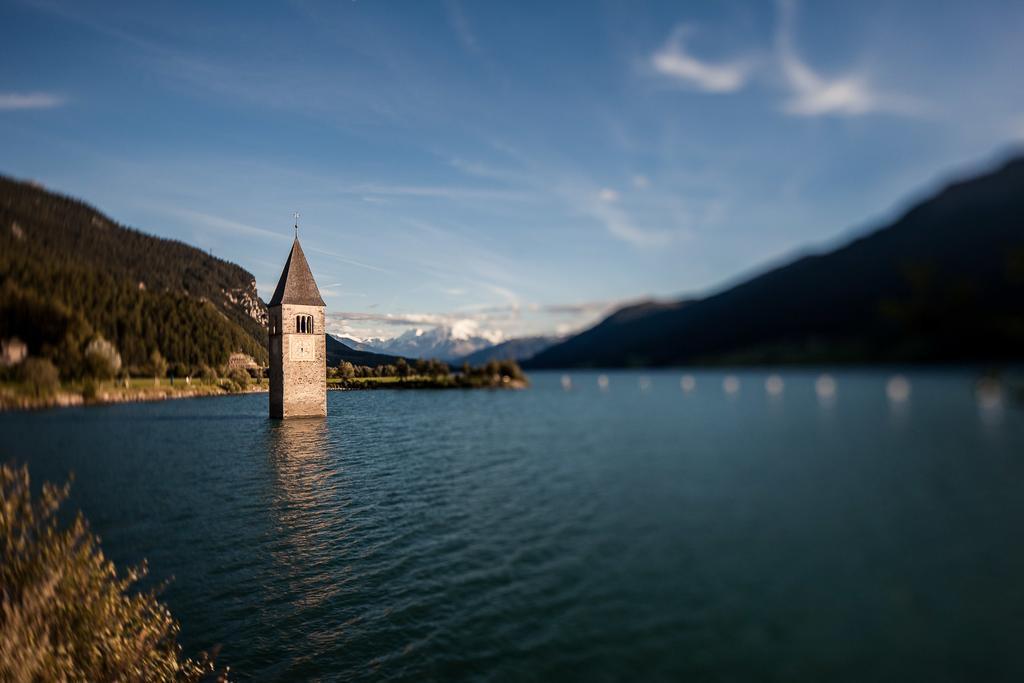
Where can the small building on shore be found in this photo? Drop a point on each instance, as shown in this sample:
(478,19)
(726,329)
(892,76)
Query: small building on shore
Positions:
(297,345)
(12,351)
(242,361)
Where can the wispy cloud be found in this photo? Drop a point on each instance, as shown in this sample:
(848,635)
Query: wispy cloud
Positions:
(349,261)
(619,224)
(603,205)
(585,307)
(812,94)
(228,225)
(12,101)
(225,224)
(673,61)
(435,191)
(575,190)
(397,319)
(460,25)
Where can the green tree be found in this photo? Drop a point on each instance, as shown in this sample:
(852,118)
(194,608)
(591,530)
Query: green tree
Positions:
(102,359)
(511,369)
(40,376)
(157,365)
(208,374)
(239,377)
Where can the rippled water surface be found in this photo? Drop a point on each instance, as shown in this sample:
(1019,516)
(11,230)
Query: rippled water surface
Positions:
(751,528)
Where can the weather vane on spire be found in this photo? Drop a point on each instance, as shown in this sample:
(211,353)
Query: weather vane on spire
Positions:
(296,217)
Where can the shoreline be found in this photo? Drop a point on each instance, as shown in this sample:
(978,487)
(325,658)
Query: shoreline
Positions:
(11,401)
(373,384)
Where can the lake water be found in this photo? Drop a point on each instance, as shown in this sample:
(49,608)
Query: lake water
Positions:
(834,531)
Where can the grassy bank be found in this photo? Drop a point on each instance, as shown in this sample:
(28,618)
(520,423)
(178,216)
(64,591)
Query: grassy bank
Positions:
(19,396)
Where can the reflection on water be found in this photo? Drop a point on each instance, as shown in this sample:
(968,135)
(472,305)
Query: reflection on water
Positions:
(305,504)
(989,393)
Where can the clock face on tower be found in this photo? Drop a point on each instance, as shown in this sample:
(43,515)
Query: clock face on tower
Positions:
(301,347)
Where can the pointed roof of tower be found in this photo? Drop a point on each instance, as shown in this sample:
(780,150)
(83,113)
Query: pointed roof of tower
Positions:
(296,285)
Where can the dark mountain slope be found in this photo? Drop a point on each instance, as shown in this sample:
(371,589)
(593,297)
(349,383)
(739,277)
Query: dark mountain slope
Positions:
(338,352)
(943,283)
(68,272)
(513,349)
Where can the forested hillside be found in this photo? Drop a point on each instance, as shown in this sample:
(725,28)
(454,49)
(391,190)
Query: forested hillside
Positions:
(68,273)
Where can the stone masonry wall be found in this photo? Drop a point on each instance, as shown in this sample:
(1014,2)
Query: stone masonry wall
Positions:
(298,364)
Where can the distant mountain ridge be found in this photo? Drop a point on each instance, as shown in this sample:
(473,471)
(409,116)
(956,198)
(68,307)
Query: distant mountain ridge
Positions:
(68,272)
(942,283)
(519,349)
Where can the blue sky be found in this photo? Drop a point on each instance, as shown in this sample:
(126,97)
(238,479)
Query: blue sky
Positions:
(506,168)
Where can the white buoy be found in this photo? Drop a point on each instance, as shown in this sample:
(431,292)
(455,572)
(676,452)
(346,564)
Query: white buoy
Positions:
(566,382)
(602,382)
(989,394)
(825,386)
(688,383)
(644,383)
(897,389)
(774,385)
(731,384)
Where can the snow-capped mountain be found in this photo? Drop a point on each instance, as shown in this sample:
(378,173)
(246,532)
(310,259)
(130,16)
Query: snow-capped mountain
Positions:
(442,342)
(371,344)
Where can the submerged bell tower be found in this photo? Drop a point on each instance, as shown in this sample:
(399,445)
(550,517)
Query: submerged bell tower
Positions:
(298,347)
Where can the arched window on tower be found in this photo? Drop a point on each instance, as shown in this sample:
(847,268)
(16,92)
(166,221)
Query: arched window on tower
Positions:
(304,324)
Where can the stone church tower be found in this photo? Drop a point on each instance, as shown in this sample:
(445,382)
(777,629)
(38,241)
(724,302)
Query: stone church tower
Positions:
(298,347)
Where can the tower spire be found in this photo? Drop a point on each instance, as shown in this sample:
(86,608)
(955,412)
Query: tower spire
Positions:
(296,217)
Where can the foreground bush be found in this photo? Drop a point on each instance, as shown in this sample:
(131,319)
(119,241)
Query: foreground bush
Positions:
(65,612)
